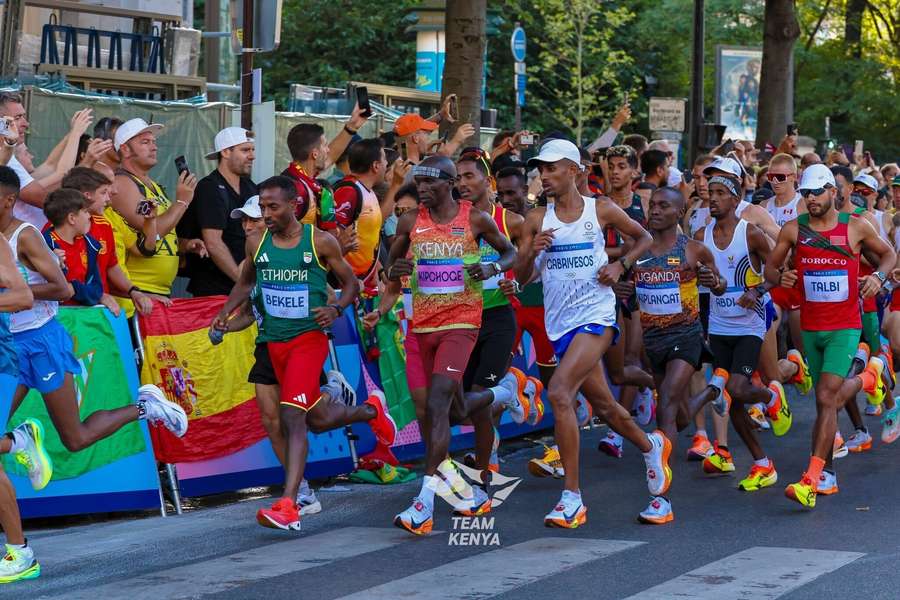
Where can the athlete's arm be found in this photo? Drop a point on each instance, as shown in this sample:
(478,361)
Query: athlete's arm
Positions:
(483,227)
(33,250)
(246,280)
(397,264)
(386,301)
(787,239)
(760,217)
(328,249)
(531,241)
(18,295)
(515,223)
(608,213)
(871,242)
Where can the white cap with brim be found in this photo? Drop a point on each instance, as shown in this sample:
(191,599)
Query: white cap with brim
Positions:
(867,180)
(132,128)
(555,150)
(250,209)
(228,138)
(726,165)
(816,177)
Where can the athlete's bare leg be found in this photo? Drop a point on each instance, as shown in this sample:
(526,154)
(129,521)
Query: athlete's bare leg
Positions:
(269,402)
(10,519)
(673,397)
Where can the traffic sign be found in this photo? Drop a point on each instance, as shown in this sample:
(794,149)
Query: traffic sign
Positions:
(517,44)
(667,114)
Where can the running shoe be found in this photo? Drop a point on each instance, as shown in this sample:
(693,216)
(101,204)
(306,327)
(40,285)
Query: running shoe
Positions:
(803,492)
(568,513)
(645,407)
(33,456)
(348,393)
(875,391)
(308,503)
(860,441)
(382,425)
(700,447)
(612,444)
(583,410)
(658,512)
(722,403)
(156,408)
(759,478)
(550,465)
(888,357)
(719,462)
(840,448)
(479,504)
(827,484)
(891,425)
(470,461)
(861,358)
(802,380)
(517,404)
(758,416)
(417,519)
(18,564)
(874,410)
(779,413)
(659,475)
(282,515)
(533,390)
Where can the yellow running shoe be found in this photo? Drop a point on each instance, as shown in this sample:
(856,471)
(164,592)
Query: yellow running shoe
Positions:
(759,478)
(18,564)
(548,466)
(874,386)
(33,456)
(758,417)
(719,462)
(803,492)
(802,380)
(780,413)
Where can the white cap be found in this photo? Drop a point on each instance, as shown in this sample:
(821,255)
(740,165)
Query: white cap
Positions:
(250,209)
(816,177)
(867,180)
(132,128)
(228,138)
(726,165)
(556,149)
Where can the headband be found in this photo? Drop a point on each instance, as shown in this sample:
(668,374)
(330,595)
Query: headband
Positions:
(727,182)
(420,171)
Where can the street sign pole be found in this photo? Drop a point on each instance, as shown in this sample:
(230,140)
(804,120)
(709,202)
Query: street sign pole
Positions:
(247,67)
(517,45)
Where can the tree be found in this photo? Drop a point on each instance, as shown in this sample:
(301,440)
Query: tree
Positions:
(781,30)
(464,62)
(853,26)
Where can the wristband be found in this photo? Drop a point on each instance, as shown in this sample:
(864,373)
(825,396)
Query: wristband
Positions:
(181,202)
(627,264)
(338,308)
(133,289)
(350,131)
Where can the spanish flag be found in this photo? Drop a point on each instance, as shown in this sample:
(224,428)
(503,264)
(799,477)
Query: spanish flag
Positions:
(209,382)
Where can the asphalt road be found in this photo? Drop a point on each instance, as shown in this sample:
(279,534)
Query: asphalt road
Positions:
(723,543)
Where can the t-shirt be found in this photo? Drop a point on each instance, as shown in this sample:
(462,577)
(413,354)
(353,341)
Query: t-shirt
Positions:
(22,210)
(102,231)
(214,199)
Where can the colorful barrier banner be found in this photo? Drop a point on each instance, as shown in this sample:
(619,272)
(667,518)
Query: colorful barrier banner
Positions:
(209,382)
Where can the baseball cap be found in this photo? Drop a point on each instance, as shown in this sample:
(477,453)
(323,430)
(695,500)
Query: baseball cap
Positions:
(867,180)
(250,208)
(554,150)
(132,128)
(816,177)
(895,181)
(228,138)
(726,165)
(410,123)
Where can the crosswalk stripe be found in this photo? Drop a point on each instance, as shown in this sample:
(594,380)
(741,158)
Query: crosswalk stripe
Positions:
(758,572)
(497,571)
(235,570)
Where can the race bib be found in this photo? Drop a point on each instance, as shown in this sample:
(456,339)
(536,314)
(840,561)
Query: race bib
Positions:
(826,286)
(440,276)
(569,262)
(726,305)
(659,299)
(286,300)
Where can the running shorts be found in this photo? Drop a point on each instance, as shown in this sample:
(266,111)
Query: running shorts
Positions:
(45,356)
(531,319)
(490,357)
(830,351)
(446,352)
(786,298)
(562,344)
(298,363)
(704,312)
(682,343)
(871,329)
(415,374)
(262,372)
(736,354)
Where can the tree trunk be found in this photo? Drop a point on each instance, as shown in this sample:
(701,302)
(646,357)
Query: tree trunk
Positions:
(853,17)
(464,63)
(781,30)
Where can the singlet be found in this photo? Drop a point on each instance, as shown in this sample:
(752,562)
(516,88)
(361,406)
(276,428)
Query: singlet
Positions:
(491,293)
(154,274)
(443,294)
(879,216)
(740,208)
(9,364)
(42,310)
(635,210)
(726,316)
(572,295)
(666,289)
(290,282)
(783,214)
(368,231)
(698,219)
(827,270)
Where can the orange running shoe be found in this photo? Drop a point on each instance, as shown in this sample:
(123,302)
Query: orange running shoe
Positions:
(282,515)
(700,448)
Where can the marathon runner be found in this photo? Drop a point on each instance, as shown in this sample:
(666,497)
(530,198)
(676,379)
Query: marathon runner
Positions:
(446,275)
(566,239)
(826,245)
(287,277)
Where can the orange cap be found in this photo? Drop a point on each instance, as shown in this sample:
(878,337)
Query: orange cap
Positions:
(410,123)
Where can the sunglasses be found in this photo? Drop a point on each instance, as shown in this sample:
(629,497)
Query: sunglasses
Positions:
(778,177)
(815,192)
(863,191)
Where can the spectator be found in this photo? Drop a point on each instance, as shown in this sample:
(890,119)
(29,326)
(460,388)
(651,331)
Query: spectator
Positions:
(342,164)
(138,196)
(97,188)
(608,137)
(105,130)
(250,217)
(406,198)
(10,140)
(654,166)
(673,177)
(414,133)
(208,217)
(888,172)
(636,141)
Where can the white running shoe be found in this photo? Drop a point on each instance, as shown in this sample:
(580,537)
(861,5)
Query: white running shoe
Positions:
(416,519)
(658,512)
(156,408)
(645,408)
(308,503)
(839,450)
(612,444)
(860,441)
(891,422)
(348,394)
(582,410)
(568,513)
(659,475)
(513,405)
(18,564)
(827,484)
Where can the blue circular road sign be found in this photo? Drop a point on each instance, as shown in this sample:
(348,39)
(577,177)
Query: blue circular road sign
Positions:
(517,44)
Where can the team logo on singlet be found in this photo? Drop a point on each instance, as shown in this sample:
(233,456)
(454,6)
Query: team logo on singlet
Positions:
(307,257)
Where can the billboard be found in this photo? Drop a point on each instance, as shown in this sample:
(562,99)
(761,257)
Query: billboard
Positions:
(737,90)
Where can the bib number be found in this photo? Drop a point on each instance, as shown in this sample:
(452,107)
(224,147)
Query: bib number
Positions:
(441,276)
(726,305)
(286,301)
(662,299)
(569,262)
(826,286)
